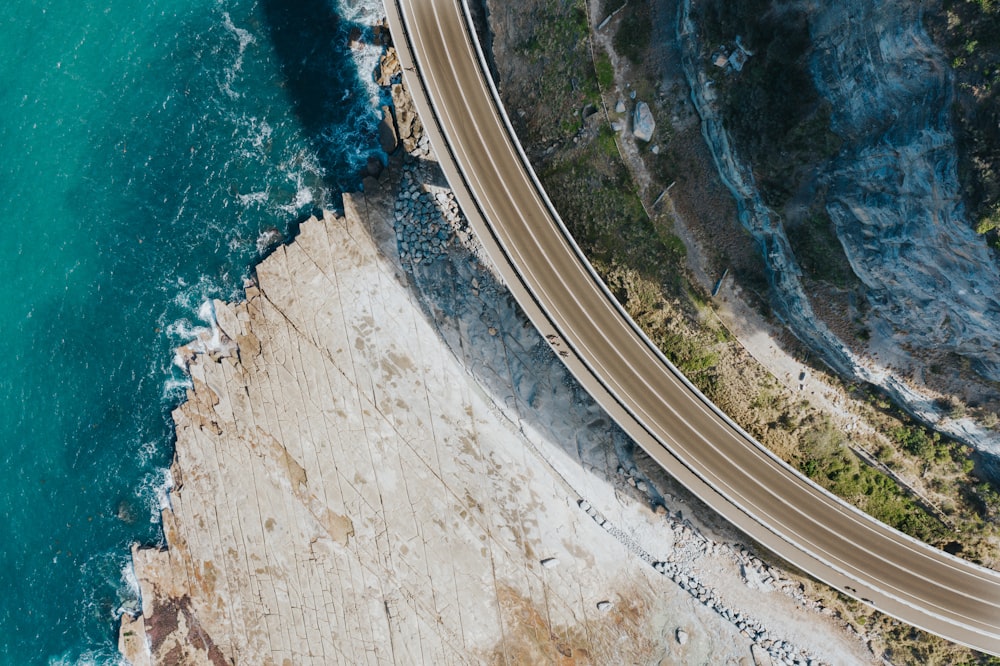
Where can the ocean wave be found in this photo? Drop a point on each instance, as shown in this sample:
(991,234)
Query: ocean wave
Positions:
(244,39)
(268,239)
(106,657)
(254,199)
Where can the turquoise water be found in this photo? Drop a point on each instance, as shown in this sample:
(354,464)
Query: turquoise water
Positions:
(147,150)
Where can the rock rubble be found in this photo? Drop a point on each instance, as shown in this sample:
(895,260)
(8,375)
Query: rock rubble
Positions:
(426,222)
(689,547)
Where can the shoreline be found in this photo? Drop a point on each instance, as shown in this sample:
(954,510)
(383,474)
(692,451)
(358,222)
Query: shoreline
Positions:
(479,320)
(631,479)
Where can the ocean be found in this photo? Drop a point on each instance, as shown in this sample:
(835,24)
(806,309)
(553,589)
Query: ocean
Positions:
(153,153)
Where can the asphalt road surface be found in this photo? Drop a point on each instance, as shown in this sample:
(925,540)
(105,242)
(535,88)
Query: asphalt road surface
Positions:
(649,399)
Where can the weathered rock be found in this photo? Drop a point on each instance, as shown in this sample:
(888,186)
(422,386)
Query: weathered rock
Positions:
(896,240)
(895,196)
(620,106)
(681,636)
(643,124)
(389,68)
(387,137)
(408,125)
(354,38)
(380,33)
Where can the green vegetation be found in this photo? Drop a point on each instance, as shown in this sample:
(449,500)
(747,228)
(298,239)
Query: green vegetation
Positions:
(607,141)
(826,459)
(605,72)
(597,199)
(634,32)
(559,48)
(969,33)
(811,240)
(990,221)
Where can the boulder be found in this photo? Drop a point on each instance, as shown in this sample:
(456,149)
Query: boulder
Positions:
(354,39)
(380,33)
(620,106)
(408,125)
(388,68)
(387,138)
(642,122)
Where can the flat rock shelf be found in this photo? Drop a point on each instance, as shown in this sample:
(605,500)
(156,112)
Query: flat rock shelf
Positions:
(346,491)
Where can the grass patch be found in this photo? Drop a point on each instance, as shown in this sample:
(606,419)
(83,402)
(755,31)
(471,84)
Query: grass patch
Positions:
(607,141)
(826,459)
(605,72)
(558,49)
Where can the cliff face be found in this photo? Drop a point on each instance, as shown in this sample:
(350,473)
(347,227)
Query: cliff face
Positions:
(894,192)
(893,195)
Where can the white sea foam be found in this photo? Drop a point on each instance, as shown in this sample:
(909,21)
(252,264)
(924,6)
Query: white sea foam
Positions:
(90,658)
(255,136)
(156,488)
(163,490)
(304,171)
(367,55)
(149,449)
(253,198)
(201,339)
(268,239)
(303,197)
(130,584)
(261,134)
(244,38)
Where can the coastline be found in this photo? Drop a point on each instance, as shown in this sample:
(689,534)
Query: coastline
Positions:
(350,375)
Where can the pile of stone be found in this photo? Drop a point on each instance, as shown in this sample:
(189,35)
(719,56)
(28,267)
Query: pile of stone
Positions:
(690,546)
(426,219)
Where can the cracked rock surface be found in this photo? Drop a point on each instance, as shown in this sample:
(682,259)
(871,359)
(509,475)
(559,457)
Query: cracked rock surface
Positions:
(381,461)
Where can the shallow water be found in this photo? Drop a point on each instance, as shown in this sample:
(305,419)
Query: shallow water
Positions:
(146,157)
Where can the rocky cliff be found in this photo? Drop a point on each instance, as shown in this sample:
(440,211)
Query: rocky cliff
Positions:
(894,192)
(930,282)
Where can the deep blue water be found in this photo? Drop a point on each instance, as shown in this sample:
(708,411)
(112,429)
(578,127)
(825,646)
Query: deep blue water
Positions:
(147,147)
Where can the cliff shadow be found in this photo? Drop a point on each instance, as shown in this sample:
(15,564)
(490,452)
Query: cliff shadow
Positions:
(313,45)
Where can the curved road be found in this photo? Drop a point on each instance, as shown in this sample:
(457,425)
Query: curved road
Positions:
(649,399)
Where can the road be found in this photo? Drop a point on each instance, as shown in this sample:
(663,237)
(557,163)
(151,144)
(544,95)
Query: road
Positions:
(687,435)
